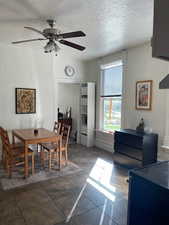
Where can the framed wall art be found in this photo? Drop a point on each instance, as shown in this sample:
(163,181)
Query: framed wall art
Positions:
(144,95)
(25,100)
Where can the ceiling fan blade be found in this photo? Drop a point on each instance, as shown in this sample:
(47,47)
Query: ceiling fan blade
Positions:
(73,45)
(37,39)
(33,29)
(72,34)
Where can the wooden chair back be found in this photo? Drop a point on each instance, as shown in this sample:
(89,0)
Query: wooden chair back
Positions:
(10,157)
(5,142)
(65,132)
(1,131)
(7,151)
(57,127)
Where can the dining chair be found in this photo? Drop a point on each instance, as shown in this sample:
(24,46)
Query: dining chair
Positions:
(57,127)
(15,145)
(57,151)
(65,133)
(14,154)
(2,147)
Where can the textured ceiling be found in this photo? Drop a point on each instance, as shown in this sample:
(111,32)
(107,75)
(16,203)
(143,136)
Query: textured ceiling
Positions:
(110,25)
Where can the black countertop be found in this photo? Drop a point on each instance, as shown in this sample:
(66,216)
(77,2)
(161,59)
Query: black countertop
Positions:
(134,132)
(157,173)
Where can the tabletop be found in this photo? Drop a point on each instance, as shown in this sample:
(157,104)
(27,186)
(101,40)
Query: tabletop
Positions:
(28,134)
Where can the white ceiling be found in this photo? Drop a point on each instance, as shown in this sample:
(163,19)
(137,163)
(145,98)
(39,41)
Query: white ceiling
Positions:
(110,25)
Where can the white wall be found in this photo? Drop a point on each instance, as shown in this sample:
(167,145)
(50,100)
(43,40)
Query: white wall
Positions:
(64,59)
(138,65)
(63,92)
(141,66)
(21,68)
(30,68)
(69,97)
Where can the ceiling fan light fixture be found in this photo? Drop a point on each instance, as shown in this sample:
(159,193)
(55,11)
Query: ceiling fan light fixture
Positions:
(54,36)
(49,47)
(47,51)
(57,48)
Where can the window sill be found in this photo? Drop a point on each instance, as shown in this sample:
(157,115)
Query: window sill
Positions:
(165,147)
(106,132)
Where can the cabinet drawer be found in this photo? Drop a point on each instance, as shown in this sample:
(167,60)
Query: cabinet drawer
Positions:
(130,140)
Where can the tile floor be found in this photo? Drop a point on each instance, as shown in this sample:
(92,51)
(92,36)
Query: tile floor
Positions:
(97,195)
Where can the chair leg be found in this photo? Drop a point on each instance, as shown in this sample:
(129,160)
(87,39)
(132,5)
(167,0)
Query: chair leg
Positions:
(50,160)
(2,158)
(33,163)
(10,168)
(7,167)
(66,156)
(57,157)
(40,153)
(4,161)
(60,159)
(42,156)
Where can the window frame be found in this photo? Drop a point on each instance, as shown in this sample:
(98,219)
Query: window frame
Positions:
(102,97)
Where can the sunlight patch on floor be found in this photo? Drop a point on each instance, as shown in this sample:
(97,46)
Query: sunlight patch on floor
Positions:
(100,177)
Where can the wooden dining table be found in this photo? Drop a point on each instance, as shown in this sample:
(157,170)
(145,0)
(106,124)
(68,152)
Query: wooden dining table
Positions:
(28,137)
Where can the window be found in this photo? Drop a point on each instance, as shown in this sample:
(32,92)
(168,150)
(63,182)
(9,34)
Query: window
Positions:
(111,96)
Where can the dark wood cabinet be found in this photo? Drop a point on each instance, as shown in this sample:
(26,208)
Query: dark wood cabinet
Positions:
(160,40)
(138,146)
(148,201)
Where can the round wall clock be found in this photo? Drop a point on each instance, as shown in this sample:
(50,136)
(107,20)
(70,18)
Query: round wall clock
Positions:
(69,71)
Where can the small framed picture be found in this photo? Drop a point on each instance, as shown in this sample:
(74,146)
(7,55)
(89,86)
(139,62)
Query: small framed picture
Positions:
(25,99)
(144,95)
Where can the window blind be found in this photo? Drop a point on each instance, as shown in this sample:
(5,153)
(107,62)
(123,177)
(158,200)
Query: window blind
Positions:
(111,81)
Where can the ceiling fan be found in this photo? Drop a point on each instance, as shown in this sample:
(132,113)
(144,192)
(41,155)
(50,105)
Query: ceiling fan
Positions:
(53,36)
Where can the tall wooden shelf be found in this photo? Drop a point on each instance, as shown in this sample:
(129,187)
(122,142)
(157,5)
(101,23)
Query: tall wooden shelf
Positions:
(87,114)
